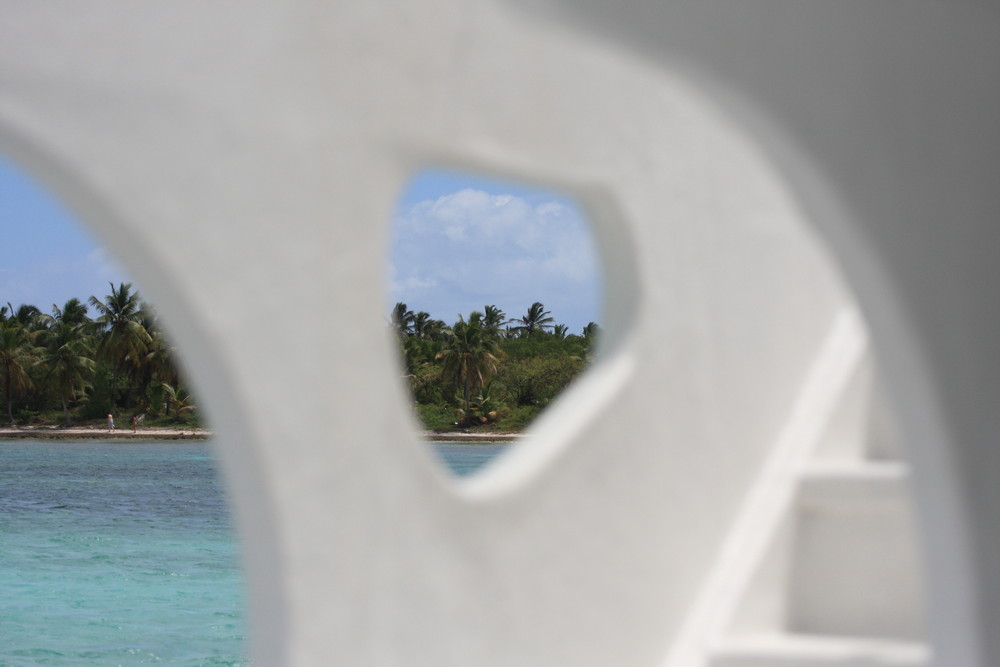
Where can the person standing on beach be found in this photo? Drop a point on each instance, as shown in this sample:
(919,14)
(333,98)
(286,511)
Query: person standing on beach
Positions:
(135,421)
(111,422)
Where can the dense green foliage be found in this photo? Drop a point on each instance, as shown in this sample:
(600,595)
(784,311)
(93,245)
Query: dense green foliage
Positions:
(482,371)
(74,366)
(487,371)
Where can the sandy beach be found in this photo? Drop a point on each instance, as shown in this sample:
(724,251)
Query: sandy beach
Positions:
(462,436)
(100,433)
(160,433)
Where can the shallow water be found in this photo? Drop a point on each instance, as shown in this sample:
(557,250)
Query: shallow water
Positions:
(116,554)
(123,554)
(464,458)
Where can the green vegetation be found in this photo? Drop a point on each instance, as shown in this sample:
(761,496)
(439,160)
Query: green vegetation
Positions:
(486,371)
(67,366)
(482,372)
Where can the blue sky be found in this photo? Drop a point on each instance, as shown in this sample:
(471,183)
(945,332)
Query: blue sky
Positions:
(48,257)
(460,242)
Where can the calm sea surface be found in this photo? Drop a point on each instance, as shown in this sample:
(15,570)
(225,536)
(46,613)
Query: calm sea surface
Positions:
(123,554)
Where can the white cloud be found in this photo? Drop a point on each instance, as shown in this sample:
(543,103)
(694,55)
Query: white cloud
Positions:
(471,248)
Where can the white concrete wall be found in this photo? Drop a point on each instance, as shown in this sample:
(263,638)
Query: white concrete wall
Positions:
(243,158)
(882,115)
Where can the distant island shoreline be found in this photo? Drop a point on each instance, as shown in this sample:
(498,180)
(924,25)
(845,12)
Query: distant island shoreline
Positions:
(101,433)
(179,433)
(471,437)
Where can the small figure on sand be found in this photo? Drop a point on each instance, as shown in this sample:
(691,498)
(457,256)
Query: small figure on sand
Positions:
(135,422)
(111,422)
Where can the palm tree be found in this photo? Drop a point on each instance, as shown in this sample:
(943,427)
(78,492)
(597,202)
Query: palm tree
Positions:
(560,331)
(536,319)
(179,399)
(16,355)
(421,324)
(402,319)
(73,313)
(26,315)
(437,330)
(494,318)
(471,355)
(591,331)
(123,339)
(66,361)
(158,364)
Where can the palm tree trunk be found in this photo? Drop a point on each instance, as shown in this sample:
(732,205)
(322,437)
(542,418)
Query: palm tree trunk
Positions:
(67,419)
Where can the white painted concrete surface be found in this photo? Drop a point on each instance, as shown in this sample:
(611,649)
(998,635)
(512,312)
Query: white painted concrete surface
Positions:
(856,572)
(244,157)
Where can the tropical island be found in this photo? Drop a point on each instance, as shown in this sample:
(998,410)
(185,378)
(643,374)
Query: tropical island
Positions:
(64,372)
(487,372)
(69,370)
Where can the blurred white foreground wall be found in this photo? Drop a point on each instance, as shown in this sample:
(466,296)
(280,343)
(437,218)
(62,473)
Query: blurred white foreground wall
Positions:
(707,495)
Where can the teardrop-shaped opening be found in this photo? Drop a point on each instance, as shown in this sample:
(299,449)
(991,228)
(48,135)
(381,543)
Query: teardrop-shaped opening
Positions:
(494,299)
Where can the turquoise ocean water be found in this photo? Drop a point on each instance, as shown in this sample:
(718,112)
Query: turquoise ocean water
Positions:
(123,554)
